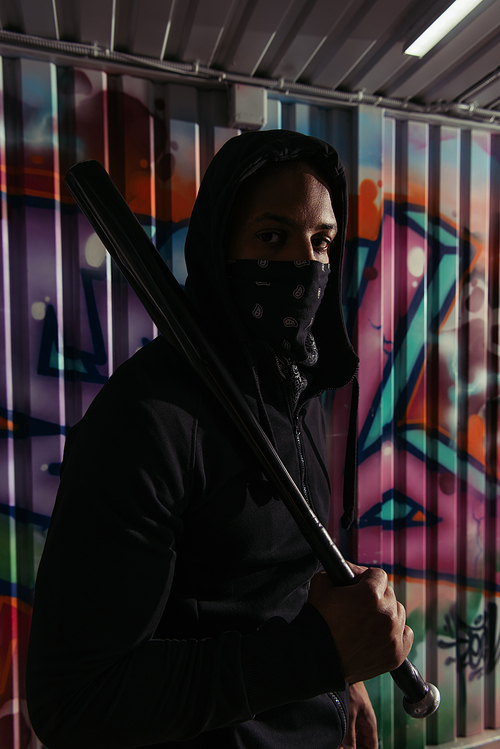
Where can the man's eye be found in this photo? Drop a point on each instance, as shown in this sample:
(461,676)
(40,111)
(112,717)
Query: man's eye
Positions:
(270,237)
(322,243)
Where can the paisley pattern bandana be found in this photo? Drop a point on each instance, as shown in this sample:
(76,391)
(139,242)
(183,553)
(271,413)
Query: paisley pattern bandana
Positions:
(278,300)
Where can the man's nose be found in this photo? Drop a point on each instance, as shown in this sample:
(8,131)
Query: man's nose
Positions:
(302,249)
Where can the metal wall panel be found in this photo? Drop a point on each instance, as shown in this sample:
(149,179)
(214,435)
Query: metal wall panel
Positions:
(421,302)
(423,297)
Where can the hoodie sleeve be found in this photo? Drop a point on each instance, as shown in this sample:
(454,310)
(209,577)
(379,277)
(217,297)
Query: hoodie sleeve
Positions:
(97,677)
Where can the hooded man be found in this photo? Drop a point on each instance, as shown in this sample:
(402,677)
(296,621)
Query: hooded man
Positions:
(174,605)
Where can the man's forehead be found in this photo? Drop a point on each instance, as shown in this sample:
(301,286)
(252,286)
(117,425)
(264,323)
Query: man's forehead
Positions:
(253,186)
(288,166)
(286,220)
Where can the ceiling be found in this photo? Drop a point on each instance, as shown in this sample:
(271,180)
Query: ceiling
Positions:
(348,46)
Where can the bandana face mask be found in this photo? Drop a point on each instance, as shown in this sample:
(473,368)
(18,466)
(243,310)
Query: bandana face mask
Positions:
(278,300)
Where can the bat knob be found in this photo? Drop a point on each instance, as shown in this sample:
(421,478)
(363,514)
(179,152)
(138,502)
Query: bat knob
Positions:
(426,706)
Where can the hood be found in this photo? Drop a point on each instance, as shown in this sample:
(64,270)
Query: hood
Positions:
(207,282)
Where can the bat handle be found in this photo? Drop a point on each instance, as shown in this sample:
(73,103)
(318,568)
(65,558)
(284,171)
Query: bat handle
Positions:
(411,683)
(420,698)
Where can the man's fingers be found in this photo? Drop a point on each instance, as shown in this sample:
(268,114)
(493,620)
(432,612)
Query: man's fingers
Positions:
(362,729)
(367,623)
(358,569)
(408,636)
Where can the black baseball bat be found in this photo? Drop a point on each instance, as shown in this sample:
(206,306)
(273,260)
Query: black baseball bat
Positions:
(170,310)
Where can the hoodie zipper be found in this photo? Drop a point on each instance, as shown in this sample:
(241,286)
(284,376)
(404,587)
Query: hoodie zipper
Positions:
(341,709)
(294,418)
(302,460)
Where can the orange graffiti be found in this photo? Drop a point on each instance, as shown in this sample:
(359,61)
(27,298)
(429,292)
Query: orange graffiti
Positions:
(15,621)
(472,440)
(8,425)
(368,211)
(175,203)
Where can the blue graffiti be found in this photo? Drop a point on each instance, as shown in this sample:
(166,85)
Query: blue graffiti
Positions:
(393,395)
(77,364)
(398,511)
(416,332)
(476,645)
(19,425)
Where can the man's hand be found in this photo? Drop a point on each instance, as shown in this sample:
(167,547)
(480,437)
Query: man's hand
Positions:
(362,727)
(366,621)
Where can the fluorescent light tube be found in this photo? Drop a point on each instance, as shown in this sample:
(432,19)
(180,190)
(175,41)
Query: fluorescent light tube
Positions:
(441,26)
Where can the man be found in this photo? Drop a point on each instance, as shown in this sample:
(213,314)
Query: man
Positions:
(174,605)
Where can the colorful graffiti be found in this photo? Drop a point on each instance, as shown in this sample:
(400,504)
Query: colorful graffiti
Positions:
(419,303)
(421,310)
(476,645)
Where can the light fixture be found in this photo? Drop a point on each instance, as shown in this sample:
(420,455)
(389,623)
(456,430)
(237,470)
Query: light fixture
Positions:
(441,26)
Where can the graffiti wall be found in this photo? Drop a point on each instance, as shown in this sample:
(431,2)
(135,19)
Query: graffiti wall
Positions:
(421,304)
(422,307)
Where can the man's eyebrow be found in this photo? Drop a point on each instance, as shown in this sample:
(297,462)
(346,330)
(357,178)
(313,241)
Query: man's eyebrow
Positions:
(286,221)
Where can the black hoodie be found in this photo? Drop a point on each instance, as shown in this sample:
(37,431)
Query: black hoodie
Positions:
(170,605)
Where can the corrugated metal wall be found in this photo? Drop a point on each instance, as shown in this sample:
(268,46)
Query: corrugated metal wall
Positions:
(423,305)
(421,301)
